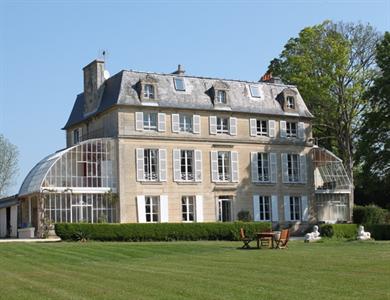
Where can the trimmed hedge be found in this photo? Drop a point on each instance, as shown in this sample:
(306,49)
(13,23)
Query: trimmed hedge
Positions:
(370,214)
(158,231)
(379,231)
(340,231)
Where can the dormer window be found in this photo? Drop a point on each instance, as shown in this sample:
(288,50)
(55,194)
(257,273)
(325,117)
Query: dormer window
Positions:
(179,84)
(221,97)
(290,102)
(255,91)
(149,91)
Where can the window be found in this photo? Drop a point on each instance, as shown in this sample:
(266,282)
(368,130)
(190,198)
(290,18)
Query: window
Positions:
(291,129)
(261,127)
(179,84)
(76,136)
(290,102)
(149,91)
(185,123)
(295,208)
(152,207)
(188,208)
(150,164)
(221,97)
(263,167)
(223,166)
(255,91)
(224,208)
(150,121)
(187,164)
(293,167)
(265,208)
(222,125)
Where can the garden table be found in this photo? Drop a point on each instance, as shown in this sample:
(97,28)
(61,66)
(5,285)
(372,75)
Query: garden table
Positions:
(261,235)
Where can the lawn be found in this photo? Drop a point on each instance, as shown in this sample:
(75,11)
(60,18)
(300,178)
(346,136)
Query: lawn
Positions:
(194,270)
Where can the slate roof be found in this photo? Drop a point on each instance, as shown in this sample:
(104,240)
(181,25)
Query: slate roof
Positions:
(9,201)
(121,89)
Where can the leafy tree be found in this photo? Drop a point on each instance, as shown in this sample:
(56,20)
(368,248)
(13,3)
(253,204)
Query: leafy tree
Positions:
(8,163)
(332,65)
(373,184)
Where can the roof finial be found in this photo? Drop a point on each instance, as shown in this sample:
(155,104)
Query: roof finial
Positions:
(180,70)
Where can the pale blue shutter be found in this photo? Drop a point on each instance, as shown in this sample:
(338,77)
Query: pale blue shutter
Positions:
(253,127)
(287,215)
(254,167)
(139,121)
(141,209)
(256,208)
(274,207)
(140,164)
(176,165)
(198,165)
(283,129)
(175,123)
(196,124)
(162,164)
(164,215)
(213,125)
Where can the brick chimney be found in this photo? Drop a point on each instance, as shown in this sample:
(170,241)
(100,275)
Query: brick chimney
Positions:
(180,70)
(93,85)
(267,77)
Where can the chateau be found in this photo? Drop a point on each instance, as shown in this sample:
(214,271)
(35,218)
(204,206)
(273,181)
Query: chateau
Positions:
(149,147)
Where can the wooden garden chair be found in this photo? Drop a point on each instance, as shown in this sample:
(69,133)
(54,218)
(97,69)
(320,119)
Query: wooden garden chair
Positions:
(283,240)
(245,239)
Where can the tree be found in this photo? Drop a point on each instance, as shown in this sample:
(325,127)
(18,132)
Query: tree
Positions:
(332,65)
(8,163)
(374,145)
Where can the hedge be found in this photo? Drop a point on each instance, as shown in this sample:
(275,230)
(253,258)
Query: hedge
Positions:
(158,231)
(370,214)
(340,231)
(379,231)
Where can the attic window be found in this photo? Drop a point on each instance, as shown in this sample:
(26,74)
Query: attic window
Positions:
(179,84)
(149,91)
(221,97)
(290,102)
(255,91)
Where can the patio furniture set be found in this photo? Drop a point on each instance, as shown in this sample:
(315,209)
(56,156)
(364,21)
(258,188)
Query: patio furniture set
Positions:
(269,239)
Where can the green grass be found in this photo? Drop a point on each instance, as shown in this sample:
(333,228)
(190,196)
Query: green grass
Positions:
(195,270)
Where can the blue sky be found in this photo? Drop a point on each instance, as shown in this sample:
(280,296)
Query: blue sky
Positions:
(45,44)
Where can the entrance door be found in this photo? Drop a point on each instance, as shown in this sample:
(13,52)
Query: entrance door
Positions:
(225,208)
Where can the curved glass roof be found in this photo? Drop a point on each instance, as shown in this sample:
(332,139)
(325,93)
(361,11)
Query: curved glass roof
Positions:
(89,164)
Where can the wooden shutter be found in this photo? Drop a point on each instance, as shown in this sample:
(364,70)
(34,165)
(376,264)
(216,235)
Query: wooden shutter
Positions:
(164,216)
(175,123)
(305,208)
(256,208)
(214,166)
(176,165)
(139,121)
(162,164)
(283,129)
(141,209)
(199,208)
(273,167)
(253,127)
(234,165)
(285,168)
(161,122)
(271,128)
(287,216)
(302,168)
(233,126)
(196,124)
(213,125)
(198,165)
(254,167)
(140,164)
(274,208)
(301,130)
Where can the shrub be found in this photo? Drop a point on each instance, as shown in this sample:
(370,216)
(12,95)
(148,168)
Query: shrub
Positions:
(379,231)
(370,214)
(244,216)
(158,231)
(326,230)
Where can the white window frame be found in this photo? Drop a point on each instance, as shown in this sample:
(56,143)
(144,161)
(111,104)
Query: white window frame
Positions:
(149,175)
(188,208)
(260,130)
(263,167)
(154,201)
(77,132)
(291,129)
(177,88)
(148,121)
(224,165)
(221,127)
(186,123)
(293,168)
(252,88)
(188,163)
(290,104)
(265,206)
(149,91)
(220,201)
(295,203)
(220,97)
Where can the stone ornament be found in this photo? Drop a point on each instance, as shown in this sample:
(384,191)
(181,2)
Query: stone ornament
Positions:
(313,236)
(363,235)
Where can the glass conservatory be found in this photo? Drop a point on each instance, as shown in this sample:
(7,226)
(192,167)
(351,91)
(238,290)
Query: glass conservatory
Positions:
(333,187)
(77,184)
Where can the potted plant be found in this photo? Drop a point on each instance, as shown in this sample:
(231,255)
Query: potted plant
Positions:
(27,231)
